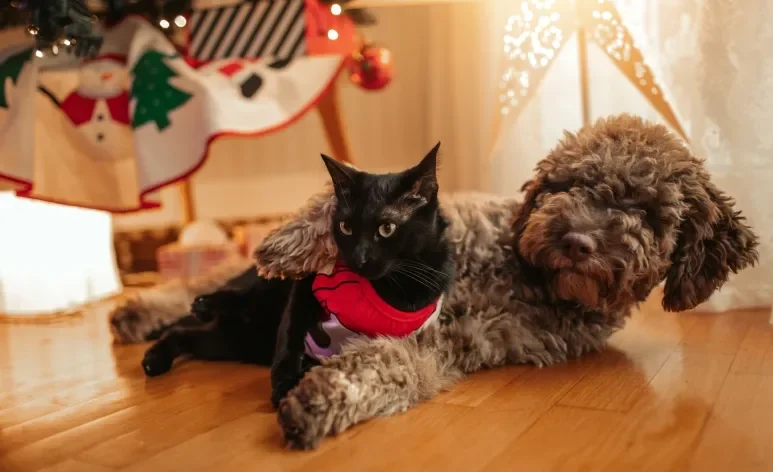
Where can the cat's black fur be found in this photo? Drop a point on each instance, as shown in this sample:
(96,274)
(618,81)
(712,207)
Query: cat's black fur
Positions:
(265,321)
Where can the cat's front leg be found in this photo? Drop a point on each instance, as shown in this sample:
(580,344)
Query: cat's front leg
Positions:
(290,360)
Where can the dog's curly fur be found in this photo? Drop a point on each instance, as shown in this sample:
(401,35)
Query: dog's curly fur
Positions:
(632,186)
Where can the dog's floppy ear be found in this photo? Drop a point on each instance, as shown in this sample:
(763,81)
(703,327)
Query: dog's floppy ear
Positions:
(303,244)
(713,242)
(532,187)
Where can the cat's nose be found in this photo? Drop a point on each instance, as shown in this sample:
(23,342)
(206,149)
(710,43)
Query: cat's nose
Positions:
(360,260)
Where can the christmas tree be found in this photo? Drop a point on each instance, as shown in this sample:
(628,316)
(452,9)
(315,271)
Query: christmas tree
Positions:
(12,67)
(155,96)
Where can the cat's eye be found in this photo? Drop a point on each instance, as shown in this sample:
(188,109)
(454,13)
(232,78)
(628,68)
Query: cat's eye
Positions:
(344,228)
(386,230)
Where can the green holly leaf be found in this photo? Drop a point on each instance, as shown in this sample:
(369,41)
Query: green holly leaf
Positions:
(12,67)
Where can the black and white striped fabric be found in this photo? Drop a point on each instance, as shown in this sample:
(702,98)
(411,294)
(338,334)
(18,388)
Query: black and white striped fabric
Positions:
(250,29)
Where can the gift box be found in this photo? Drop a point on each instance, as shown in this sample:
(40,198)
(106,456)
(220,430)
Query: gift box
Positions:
(179,261)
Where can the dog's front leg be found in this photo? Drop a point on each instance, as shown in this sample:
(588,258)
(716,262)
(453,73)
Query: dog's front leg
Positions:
(385,376)
(369,378)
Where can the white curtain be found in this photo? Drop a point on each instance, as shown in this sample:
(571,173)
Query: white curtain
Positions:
(714,60)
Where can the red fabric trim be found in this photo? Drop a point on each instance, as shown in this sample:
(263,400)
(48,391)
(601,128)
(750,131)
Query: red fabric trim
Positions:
(146,204)
(119,108)
(78,108)
(231,68)
(112,56)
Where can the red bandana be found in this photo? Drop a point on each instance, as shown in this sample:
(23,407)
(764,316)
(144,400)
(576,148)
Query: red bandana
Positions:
(352,307)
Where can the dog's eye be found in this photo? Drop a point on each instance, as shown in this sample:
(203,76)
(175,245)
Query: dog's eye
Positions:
(652,220)
(558,187)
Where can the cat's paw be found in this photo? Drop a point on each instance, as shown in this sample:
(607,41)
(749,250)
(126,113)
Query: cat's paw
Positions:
(156,362)
(208,307)
(203,308)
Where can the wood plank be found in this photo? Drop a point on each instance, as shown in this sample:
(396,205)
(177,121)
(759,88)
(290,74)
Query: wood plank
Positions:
(65,434)
(71,465)
(496,421)
(153,437)
(391,441)
(617,376)
(755,353)
(659,432)
(479,386)
(738,435)
(717,333)
(674,392)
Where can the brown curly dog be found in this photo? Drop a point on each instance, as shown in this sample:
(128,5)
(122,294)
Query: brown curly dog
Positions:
(611,213)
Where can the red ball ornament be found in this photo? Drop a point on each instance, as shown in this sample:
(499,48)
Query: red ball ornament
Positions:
(371,67)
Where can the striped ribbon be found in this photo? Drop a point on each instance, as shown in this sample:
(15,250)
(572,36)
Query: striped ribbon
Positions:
(250,29)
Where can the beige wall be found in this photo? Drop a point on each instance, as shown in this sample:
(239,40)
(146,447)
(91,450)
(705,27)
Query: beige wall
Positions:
(387,130)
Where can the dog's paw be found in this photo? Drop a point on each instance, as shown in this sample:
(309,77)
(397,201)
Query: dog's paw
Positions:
(319,406)
(303,424)
(129,323)
(156,362)
(281,386)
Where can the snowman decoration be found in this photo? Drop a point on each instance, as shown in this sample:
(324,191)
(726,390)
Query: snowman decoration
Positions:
(99,108)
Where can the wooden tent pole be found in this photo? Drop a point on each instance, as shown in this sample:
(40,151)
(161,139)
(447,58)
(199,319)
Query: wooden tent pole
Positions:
(332,120)
(582,53)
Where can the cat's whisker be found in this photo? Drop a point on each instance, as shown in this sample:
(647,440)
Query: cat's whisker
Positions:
(426,272)
(418,271)
(419,277)
(418,280)
(423,267)
(397,283)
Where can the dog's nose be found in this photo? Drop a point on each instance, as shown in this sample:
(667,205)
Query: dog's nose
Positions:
(578,246)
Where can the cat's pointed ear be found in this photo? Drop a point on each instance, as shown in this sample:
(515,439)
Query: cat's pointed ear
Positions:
(424,175)
(341,174)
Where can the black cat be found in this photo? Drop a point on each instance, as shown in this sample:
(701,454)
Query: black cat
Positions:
(395,265)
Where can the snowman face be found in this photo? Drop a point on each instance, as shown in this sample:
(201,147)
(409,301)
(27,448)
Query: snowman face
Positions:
(103,78)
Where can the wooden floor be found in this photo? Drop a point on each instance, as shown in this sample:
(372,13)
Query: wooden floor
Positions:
(690,392)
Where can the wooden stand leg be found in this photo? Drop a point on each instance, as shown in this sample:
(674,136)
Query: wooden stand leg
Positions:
(330,114)
(186,198)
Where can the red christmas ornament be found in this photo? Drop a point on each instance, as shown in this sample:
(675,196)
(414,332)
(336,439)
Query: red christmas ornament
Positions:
(371,67)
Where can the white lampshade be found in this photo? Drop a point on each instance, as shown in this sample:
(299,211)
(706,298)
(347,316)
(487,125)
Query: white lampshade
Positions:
(53,257)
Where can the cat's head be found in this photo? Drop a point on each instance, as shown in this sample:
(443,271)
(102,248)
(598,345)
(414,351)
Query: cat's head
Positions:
(383,219)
